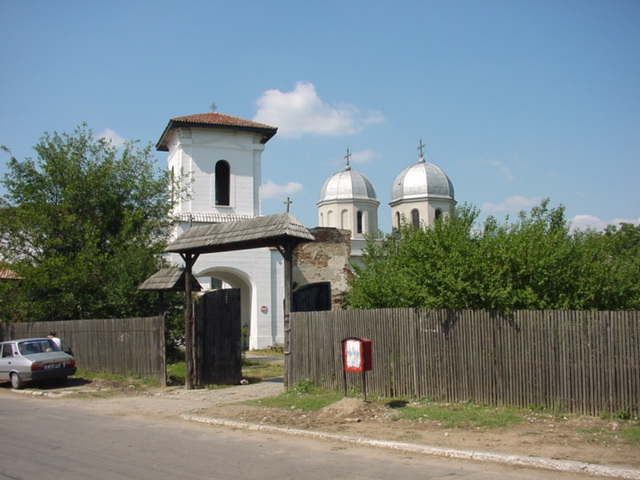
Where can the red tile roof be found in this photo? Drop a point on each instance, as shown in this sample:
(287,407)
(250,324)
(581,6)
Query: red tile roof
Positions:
(6,274)
(215,120)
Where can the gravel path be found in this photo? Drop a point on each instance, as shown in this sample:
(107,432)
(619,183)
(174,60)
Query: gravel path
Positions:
(221,396)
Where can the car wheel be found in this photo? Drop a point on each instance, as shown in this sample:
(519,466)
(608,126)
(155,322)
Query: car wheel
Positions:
(16,381)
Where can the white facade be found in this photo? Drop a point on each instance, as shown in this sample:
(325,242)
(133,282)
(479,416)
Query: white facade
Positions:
(221,157)
(196,152)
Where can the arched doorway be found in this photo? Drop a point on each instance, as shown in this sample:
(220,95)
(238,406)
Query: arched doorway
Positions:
(233,278)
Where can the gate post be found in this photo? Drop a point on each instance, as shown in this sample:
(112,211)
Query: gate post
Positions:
(189,337)
(287,253)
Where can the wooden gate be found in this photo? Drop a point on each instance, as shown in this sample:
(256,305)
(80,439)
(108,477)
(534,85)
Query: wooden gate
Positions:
(218,338)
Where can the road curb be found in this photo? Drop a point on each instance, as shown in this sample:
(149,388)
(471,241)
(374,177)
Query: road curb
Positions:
(568,466)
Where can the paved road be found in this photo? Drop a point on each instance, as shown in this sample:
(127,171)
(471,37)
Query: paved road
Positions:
(40,438)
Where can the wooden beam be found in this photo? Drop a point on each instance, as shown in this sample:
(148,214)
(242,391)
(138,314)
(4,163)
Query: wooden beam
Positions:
(189,337)
(287,253)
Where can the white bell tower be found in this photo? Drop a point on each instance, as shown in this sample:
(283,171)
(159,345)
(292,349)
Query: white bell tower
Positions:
(221,156)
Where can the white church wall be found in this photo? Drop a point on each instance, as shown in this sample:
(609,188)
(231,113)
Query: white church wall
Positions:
(257,180)
(180,164)
(349,215)
(426,207)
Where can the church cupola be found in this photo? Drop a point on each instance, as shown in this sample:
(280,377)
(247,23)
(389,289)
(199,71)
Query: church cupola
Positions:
(348,201)
(421,194)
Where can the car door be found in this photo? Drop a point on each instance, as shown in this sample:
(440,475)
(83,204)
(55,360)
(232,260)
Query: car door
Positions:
(6,354)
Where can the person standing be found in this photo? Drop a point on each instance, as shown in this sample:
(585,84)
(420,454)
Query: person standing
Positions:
(54,336)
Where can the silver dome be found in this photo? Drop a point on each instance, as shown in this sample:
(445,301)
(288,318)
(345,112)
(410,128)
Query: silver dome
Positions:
(347,185)
(421,180)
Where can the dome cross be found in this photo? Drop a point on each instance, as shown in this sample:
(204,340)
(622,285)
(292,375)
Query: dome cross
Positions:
(347,158)
(421,150)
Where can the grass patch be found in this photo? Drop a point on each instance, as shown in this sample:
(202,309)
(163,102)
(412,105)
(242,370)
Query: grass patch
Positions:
(629,434)
(268,352)
(130,379)
(176,373)
(303,396)
(254,371)
(463,415)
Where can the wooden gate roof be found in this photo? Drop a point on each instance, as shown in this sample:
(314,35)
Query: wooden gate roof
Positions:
(267,231)
(169,280)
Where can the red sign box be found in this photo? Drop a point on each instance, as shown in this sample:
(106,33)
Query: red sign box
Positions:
(356,354)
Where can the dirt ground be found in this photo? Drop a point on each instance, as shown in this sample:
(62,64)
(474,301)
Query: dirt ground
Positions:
(541,435)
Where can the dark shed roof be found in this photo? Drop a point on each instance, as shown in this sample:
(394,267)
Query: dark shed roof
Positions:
(259,232)
(169,280)
(218,121)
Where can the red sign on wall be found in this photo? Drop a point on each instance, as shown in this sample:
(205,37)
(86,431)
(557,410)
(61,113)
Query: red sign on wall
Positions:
(356,354)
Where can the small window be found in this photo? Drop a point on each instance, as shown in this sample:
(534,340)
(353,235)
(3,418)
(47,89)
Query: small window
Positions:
(415,217)
(438,213)
(223,181)
(359,222)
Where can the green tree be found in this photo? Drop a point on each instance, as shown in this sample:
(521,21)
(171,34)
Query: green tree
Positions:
(420,267)
(536,262)
(83,225)
(613,267)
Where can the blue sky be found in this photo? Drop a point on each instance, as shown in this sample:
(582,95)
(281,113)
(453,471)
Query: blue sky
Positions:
(515,100)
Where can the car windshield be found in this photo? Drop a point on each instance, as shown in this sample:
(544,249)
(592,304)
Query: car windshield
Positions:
(29,347)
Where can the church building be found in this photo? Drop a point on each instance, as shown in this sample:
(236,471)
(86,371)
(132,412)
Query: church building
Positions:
(221,156)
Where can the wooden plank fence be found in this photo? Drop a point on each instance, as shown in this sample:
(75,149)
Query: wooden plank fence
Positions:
(585,362)
(125,345)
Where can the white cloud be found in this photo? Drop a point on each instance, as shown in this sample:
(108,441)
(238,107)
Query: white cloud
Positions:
(115,139)
(373,116)
(364,156)
(302,111)
(514,204)
(272,190)
(503,169)
(582,222)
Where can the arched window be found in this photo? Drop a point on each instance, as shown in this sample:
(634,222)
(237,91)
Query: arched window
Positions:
(438,213)
(344,220)
(322,220)
(359,222)
(223,183)
(415,217)
(398,218)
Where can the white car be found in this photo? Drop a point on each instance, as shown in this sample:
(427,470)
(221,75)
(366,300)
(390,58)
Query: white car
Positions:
(28,359)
